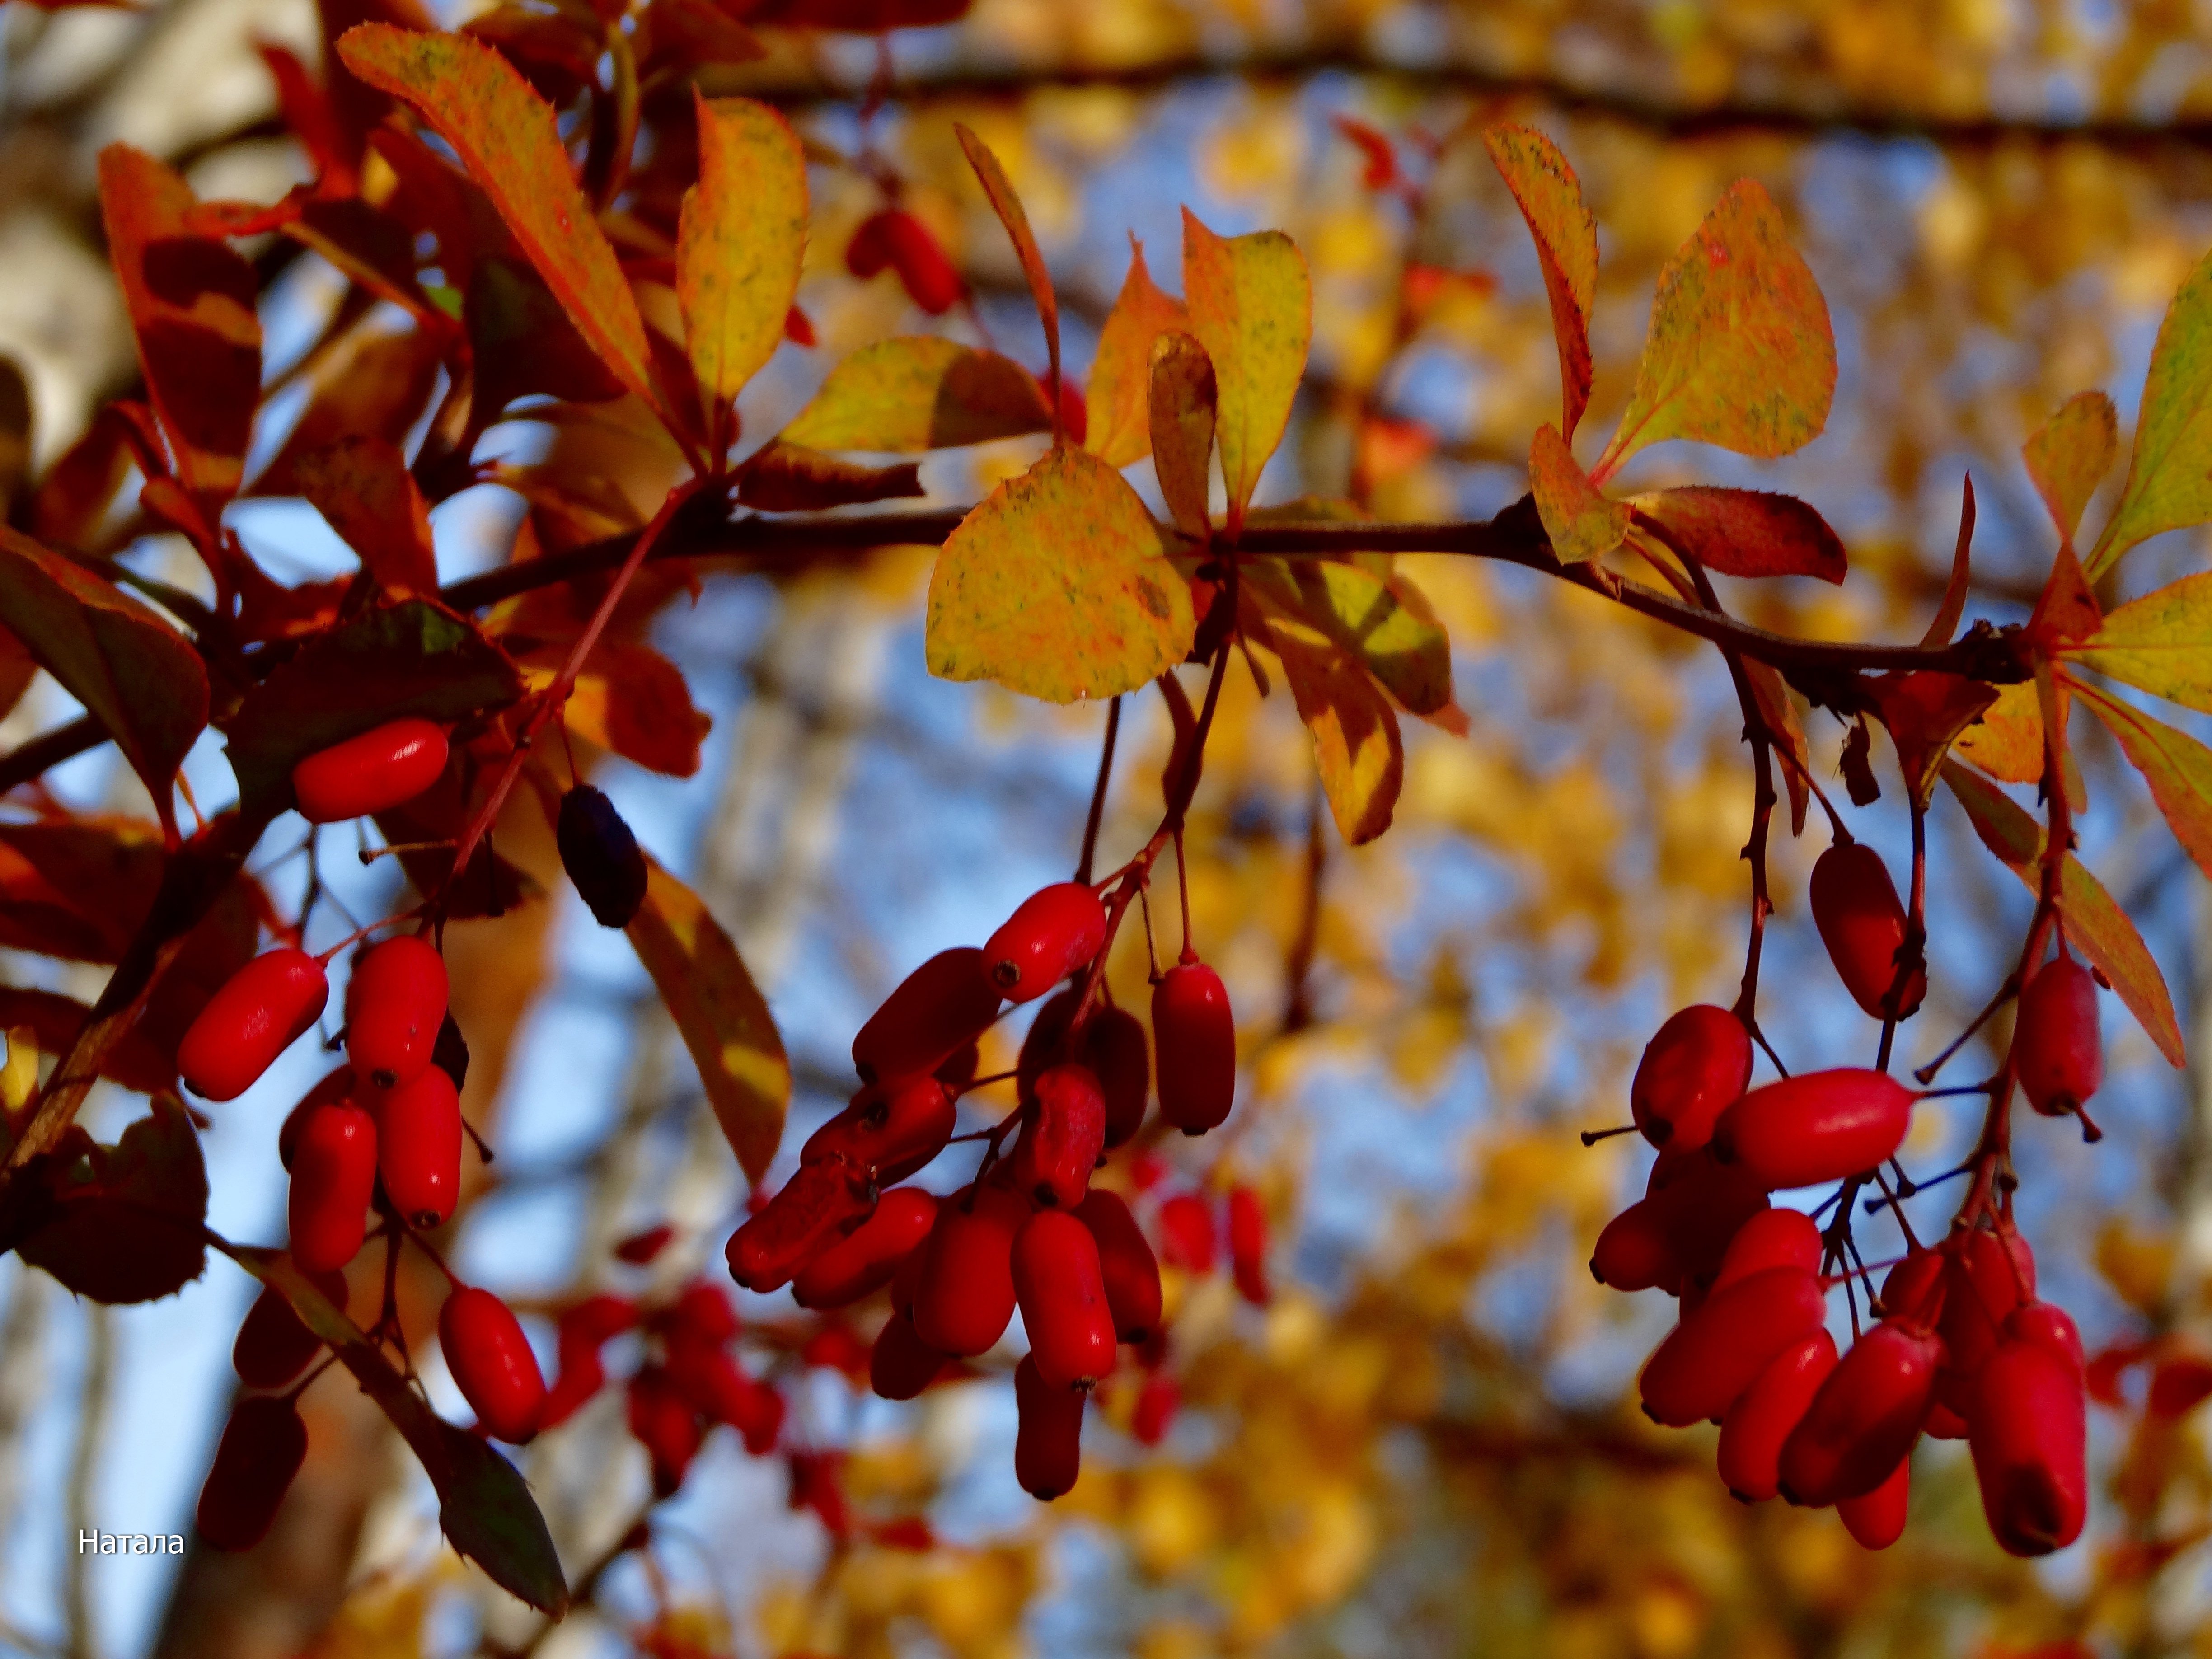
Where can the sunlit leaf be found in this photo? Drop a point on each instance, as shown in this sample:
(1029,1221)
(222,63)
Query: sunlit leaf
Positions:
(362,487)
(1583,523)
(1740,351)
(2170,469)
(2176,766)
(1403,647)
(2160,643)
(1056,586)
(1117,427)
(1183,412)
(1357,749)
(2007,743)
(2069,455)
(1550,197)
(1251,307)
(1747,532)
(1008,206)
(920,393)
(629,699)
(724,1022)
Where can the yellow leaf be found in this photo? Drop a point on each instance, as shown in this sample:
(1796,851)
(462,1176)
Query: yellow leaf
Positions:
(1117,427)
(920,393)
(2176,766)
(1251,307)
(2069,455)
(2161,643)
(1182,412)
(723,1020)
(1740,352)
(2170,471)
(2009,742)
(1550,197)
(1582,524)
(1056,586)
(740,240)
(1357,749)
(1363,610)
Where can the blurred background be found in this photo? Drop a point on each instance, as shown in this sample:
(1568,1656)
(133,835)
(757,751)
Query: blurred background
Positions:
(1424,1443)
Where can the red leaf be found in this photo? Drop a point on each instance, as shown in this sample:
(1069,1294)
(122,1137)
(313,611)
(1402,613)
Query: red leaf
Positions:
(860,16)
(1925,712)
(1550,198)
(135,1062)
(1382,169)
(129,1216)
(1941,625)
(1747,532)
(314,122)
(77,888)
(362,487)
(2066,613)
(375,386)
(782,477)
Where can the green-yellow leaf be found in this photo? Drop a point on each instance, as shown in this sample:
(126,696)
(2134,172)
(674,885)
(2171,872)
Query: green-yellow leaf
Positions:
(1251,307)
(1740,351)
(724,1022)
(2160,643)
(2170,471)
(505,135)
(2177,768)
(740,240)
(1357,749)
(1056,586)
(1582,522)
(2007,743)
(1404,648)
(918,392)
(2069,455)
(1181,408)
(1117,427)
(1550,197)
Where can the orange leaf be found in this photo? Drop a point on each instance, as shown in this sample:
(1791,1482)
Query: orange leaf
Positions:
(1182,410)
(362,487)
(505,135)
(1116,428)
(1747,532)
(630,700)
(2176,766)
(2007,743)
(2066,613)
(2069,455)
(1251,307)
(1740,352)
(1008,206)
(1550,198)
(1583,523)
(1953,604)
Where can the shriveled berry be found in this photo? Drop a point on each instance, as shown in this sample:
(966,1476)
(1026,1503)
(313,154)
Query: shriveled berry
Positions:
(492,1363)
(1763,1414)
(965,1296)
(262,1445)
(1863,923)
(939,1009)
(601,856)
(418,1148)
(1132,1274)
(333,1174)
(1695,1068)
(1865,1419)
(1062,1136)
(901,1365)
(382,767)
(818,1204)
(395,1005)
(1815,1127)
(2057,1052)
(1053,931)
(1717,1352)
(1248,1245)
(2029,1432)
(890,1130)
(273,1345)
(1048,1433)
(865,1259)
(1876,1519)
(258,1014)
(1195,1043)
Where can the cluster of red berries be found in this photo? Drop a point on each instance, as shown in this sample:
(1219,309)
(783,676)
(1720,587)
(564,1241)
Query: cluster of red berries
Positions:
(1029,1231)
(1962,1349)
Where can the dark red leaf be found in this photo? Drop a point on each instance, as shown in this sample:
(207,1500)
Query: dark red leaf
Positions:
(127,1226)
(1747,532)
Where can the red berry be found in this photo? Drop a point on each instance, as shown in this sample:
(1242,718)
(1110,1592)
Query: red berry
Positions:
(639,1249)
(1195,1040)
(1988,1274)
(703,1310)
(1186,1232)
(939,1009)
(890,1130)
(895,239)
(1063,1134)
(1865,1419)
(2048,1327)
(1061,1291)
(901,1365)
(1912,1285)
(1717,1352)
(958,1070)
(395,762)
(835,1348)
(273,1345)
(1248,1245)
(333,1174)
(758,1417)
(1113,1045)
(1815,1127)
(257,1015)
(1054,932)
(418,1148)
(2056,1051)
(395,1003)
(1049,1435)
(1133,1276)
(1675,1235)
(1763,1414)
(582,1376)
(863,1259)
(1863,923)
(262,1445)
(2028,1433)
(1772,1238)
(662,1422)
(1943,1423)
(1157,1403)
(492,1363)
(336,1086)
(588,1326)
(820,1202)
(1695,1068)
(965,1296)
(1876,1519)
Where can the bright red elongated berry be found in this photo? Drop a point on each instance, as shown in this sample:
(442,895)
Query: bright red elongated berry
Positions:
(591,1323)
(662,1422)
(418,1148)
(333,1173)
(1678,1232)
(1194,1041)
(2047,1326)
(1816,1127)
(1911,1287)
(939,1009)
(1053,931)
(1048,1435)
(890,1130)
(909,1276)
(965,1296)
(262,1445)
(1865,1419)
(1044,1045)
(1763,1414)
(1876,1519)
(1695,1068)
(1187,1239)
(2057,1053)
(492,1363)
(901,1365)
(395,1003)
(335,1086)
(1989,1273)
(863,1259)
(1772,1238)
(703,1310)
(393,764)
(272,1346)
(2029,1432)
(1863,923)
(1943,1423)
(257,1015)
(1113,1045)
(1248,1245)
(1714,1354)
(809,1213)
(1133,1276)
(1063,1134)
(1157,1403)
(582,1376)
(758,1417)
(1061,1292)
